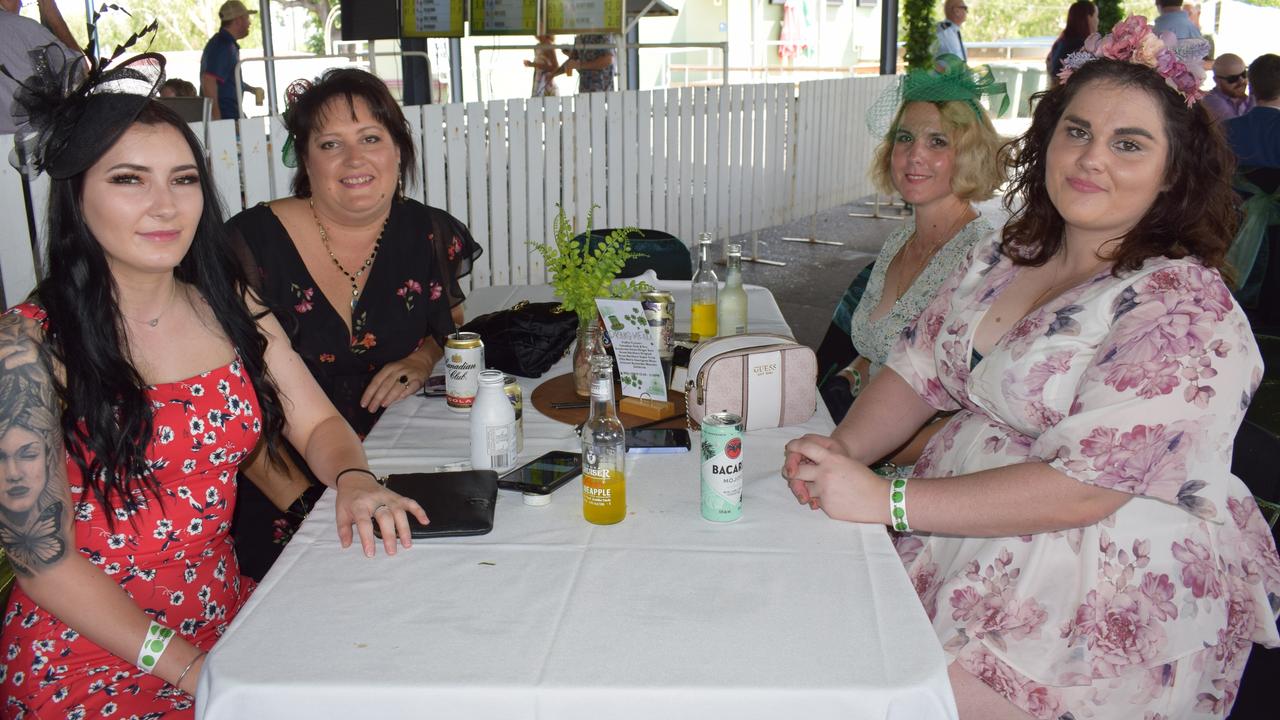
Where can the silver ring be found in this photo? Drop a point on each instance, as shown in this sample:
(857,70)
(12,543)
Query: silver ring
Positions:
(375,510)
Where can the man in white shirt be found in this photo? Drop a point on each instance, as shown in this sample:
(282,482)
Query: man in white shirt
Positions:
(949,41)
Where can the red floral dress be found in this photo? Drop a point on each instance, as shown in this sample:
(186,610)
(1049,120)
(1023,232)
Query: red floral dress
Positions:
(175,559)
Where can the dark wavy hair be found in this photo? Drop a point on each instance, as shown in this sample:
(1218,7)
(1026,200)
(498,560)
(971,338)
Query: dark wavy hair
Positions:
(1195,215)
(1078,20)
(307,116)
(107,418)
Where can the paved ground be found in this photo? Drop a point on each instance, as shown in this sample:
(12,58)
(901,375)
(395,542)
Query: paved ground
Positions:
(815,275)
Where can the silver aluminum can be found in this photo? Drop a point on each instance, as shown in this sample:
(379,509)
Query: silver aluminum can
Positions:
(722,467)
(660,311)
(512,388)
(463,361)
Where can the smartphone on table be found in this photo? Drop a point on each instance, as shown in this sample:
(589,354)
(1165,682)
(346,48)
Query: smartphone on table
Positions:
(651,440)
(544,473)
(434,386)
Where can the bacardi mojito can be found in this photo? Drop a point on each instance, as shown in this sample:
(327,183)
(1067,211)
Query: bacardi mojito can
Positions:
(722,467)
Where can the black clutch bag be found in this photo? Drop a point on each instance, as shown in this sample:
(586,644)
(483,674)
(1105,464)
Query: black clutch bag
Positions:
(457,503)
(526,339)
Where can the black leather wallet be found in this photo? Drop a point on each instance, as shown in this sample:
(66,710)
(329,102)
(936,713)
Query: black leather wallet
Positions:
(457,503)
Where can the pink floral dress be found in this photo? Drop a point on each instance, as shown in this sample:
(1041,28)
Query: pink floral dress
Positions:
(1137,384)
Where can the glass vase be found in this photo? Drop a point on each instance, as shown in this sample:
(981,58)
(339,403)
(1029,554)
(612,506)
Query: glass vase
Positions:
(586,346)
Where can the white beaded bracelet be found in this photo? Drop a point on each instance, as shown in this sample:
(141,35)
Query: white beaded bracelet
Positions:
(898,505)
(153,646)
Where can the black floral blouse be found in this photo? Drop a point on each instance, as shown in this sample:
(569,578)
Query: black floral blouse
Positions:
(407,297)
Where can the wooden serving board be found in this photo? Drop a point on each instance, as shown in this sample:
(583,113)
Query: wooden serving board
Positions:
(560,389)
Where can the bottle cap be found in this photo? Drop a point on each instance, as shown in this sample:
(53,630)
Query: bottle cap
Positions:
(537,499)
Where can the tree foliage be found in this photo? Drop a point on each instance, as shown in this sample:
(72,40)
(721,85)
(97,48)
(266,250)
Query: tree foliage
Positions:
(918,27)
(992,20)
(1110,12)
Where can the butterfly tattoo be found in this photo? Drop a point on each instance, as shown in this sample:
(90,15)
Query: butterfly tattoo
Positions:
(38,546)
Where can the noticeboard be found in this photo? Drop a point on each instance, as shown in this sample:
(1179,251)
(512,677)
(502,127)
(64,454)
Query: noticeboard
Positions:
(432,18)
(576,17)
(504,17)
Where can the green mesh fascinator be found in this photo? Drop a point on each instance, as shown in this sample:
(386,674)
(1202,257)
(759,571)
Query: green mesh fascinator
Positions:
(950,79)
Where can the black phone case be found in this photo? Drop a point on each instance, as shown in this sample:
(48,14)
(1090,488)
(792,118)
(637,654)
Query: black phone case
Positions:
(457,503)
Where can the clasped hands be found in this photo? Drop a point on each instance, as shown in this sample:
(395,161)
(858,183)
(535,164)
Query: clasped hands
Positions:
(820,473)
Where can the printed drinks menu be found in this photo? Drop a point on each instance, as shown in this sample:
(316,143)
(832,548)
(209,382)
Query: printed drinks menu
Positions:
(584,16)
(432,18)
(504,17)
(639,367)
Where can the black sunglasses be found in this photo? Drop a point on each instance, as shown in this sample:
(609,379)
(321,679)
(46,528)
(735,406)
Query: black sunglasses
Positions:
(1242,75)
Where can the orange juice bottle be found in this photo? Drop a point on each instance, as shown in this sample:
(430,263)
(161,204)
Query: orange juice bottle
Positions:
(604,452)
(706,286)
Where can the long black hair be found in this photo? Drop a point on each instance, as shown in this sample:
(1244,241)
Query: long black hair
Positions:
(107,418)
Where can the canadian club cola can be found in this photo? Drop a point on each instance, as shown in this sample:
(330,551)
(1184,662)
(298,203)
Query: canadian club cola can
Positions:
(463,361)
(722,467)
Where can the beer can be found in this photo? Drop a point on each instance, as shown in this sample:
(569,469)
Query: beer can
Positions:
(516,396)
(660,311)
(463,361)
(722,467)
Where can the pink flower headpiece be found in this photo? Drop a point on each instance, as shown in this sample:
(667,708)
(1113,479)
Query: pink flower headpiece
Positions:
(1180,63)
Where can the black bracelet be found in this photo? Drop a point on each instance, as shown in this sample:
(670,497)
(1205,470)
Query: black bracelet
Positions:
(338,477)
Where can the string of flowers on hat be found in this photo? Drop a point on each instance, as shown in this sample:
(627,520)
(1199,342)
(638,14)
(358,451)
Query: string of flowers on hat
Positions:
(1180,63)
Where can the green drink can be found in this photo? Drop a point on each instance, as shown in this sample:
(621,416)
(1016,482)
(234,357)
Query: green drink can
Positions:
(722,467)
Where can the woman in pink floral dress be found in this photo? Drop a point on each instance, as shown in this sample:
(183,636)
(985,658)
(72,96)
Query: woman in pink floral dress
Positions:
(1074,532)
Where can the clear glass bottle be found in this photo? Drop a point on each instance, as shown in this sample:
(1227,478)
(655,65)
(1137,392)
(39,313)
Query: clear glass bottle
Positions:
(604,451)
(706,286)
(493,425)
(731,307)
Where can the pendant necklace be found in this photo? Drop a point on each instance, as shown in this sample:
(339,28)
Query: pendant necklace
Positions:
(354,278)
(156,320)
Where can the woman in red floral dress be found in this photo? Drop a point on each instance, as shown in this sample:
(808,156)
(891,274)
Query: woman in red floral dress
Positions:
(132,384)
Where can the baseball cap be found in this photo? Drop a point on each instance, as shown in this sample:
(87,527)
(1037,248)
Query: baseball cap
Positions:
(232,9)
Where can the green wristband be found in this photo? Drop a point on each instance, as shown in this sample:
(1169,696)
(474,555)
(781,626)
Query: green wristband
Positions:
(898,505)
(153,646)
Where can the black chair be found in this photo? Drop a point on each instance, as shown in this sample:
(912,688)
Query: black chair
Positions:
(836,350)
(1254,461)
(665,254)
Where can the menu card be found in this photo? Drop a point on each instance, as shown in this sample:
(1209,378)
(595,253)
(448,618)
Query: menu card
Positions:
(432,18)
(639,368)
(504,17)
(583,16)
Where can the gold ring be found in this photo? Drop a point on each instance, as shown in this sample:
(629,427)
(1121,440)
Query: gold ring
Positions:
(404,379)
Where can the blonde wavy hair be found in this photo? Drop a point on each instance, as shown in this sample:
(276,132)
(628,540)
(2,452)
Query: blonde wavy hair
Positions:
(981,154)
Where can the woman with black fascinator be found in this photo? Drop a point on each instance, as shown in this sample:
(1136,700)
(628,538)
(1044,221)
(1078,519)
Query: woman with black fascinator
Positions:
(145,356)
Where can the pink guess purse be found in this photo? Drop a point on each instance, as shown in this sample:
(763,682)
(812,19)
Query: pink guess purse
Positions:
(770,380)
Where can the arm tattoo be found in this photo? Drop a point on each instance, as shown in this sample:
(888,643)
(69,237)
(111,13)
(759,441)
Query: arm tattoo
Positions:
(34,497)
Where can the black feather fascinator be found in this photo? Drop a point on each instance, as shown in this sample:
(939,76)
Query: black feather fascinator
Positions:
(69,113)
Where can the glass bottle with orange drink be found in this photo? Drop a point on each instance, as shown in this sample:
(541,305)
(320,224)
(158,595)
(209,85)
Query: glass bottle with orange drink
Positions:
(604,451)
(706,287)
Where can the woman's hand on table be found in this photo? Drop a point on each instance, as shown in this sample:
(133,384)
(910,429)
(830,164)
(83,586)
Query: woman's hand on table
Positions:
(362,501)
(820,472)
(387,387)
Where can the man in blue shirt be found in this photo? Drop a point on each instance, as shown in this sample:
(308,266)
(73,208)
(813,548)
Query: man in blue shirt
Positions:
(1175,20)
(1255,135)
(949,41)
(218,63)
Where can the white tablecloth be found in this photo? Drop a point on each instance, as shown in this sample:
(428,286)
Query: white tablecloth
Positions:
(783,614)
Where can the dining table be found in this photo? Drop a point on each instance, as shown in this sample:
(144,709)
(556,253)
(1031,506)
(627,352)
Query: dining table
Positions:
(783,613)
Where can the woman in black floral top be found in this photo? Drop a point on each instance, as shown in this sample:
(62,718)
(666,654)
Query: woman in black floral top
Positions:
(362,279)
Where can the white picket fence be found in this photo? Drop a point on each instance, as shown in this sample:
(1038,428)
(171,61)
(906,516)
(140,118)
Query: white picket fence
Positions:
(729,160)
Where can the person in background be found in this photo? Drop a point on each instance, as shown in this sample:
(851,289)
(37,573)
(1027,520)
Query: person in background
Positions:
(177,87)
(365,280)
(19,36)
(1074,532)
(135,379)
(1175,20)
(941,153)
(218,62)
(594,65)
(1082,21)
(1229,97)
(1255,135)
(544,66)
(949,41)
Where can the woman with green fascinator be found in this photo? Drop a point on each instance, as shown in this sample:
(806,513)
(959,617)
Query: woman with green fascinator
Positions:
(939,151)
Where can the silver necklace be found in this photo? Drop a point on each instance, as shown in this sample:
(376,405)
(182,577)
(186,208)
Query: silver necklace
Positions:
(156,320)
(354,278)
